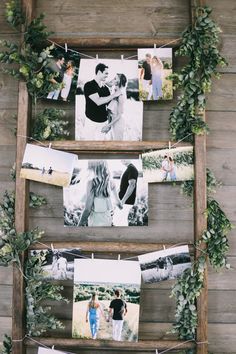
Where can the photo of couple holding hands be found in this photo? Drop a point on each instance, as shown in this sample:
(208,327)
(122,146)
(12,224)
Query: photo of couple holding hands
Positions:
(106,193)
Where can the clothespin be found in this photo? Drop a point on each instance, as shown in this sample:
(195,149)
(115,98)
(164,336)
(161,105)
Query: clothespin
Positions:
(66,47)
(96,56)
(92,255)
(53,347)
(164,247)
(118,257)
(156,351)
(122,57)
(169,145)
(154,46)
(50,145)
(52,248)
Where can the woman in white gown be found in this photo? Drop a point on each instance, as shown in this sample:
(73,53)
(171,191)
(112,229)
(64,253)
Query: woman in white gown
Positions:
(157,73)
(116,124)
(98,209)
(67,80)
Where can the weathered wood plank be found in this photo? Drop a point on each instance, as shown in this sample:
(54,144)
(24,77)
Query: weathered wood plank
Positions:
(21,205)
(222,97)
(6,303)
(125,20)
(138,346)
(6,275)
(225,16)
(222,162)
(108,146)
(5,327)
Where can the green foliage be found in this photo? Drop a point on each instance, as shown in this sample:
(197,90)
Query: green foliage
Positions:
(218,225)
(36,34)
(37,290)
(13,13)
(83,292)
(12,244)
(186,290)
(199,44)
(31,57)
(50,125)
(13,172)
(187,187)
(36,200)
(7,345)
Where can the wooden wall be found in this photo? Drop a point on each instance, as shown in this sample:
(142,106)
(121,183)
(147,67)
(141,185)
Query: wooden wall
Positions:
(171,215)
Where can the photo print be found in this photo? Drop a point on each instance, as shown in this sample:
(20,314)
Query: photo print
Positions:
(106,299)
(58,263)
(106,193)
(47,165)
(154,67)
(62,68)
(107,101)
(163,265)
(168,165)
(42,350)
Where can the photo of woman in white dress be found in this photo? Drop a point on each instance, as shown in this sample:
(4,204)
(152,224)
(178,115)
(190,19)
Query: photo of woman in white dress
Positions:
(115,109)
(98,208)
(67,79)
(157,72)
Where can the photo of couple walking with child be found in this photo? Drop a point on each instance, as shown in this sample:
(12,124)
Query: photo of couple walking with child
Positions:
(106,193)
(107,106)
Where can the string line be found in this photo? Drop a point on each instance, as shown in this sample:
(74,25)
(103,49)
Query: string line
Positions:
(92,57)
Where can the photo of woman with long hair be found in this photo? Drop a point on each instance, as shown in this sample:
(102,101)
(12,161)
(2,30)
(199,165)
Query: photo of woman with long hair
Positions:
(93,315)
(98,208)
(67,79)
(157,72)
(115,109)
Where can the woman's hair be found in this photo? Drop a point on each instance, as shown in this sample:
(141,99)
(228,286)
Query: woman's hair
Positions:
(92,302)
(170,158)
(155,57)
(70,64)
(122,80)
(101,179)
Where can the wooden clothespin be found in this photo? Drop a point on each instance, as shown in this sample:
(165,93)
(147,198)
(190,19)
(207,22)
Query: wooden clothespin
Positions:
(66,47)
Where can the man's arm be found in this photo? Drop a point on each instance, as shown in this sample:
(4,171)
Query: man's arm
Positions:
(103,100)
(129,190)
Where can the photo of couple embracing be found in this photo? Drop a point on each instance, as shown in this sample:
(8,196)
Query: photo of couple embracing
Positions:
(107,106)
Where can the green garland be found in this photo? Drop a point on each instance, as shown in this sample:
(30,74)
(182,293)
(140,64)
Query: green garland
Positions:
(28,62)
(200,45)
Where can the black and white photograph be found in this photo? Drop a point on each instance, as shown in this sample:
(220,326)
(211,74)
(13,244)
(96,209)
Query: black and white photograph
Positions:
(106,193)
(107,101)
(58,263)
(63,69)
(169,165)
(106,299)
(42,350)
(47,165)
(164,265)
(154,67)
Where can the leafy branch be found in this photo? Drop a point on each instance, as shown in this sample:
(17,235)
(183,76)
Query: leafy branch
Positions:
(199,44)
